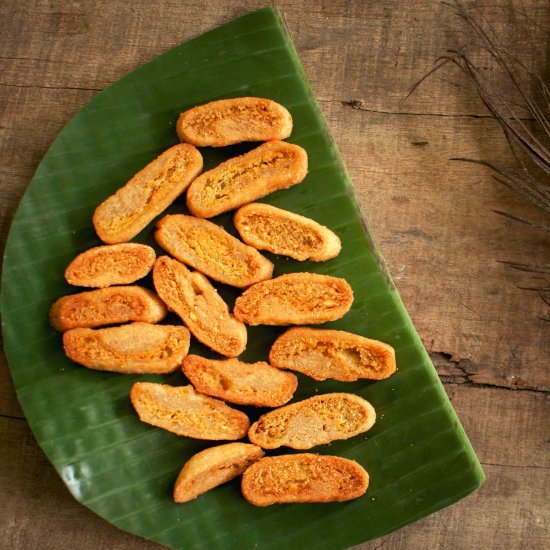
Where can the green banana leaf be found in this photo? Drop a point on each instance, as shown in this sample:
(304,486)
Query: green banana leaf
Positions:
(417,454)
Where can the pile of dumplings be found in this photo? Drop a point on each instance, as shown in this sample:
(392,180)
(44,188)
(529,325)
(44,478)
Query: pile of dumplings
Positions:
(116,326)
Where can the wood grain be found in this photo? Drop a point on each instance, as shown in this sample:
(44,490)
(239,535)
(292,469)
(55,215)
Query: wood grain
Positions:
(432,219)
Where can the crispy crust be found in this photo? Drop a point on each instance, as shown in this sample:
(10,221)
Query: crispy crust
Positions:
(282,232)
(212,467)
(295,299)
(257,384)
(184,412)
(200,307)
(212,250)
(229,121)
(334,354)
(106,306)
(303,478)
(314,421)
(123,215)
(271,166)
(138,348)
(116,264)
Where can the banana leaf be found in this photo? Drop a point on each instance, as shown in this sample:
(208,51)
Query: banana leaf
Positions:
(418,456)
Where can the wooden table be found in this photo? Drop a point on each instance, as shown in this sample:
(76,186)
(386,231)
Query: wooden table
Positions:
(433,219)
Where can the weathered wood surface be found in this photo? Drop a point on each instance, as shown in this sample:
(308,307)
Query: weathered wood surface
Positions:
(432,218)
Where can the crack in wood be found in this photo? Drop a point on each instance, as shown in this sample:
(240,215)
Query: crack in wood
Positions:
(380,545)
(530,466)
(11,417)
(449,381)
(51,87)
(358,105)
(33,59)
(352,103)
(461,371)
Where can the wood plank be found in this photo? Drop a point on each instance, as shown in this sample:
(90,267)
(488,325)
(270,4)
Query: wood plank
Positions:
(511,508)
(508,513)
(433,221)
(431,217)
(492,416)
(337,41)
(32,118)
